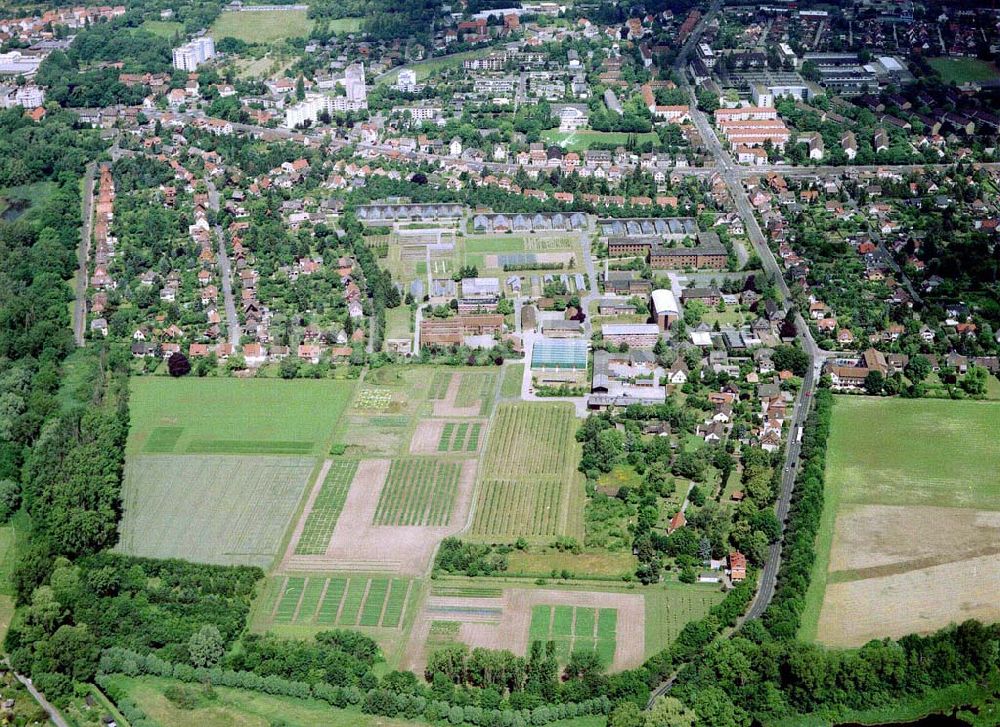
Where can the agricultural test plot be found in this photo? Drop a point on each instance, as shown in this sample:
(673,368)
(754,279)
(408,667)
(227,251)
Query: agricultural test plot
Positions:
(448,436)
(230,510)
(361,542)
(467,394)
(322,601)
(612,624)
(892,466)
(418,492)
(529,485)
(334,482)
(234,416)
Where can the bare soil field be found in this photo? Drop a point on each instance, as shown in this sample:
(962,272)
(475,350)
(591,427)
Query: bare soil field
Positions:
(879,538)
(358,545)
(917,601)
(503,623)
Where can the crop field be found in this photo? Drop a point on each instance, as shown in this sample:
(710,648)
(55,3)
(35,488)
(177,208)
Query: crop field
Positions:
(210,509)
(322,518)
(487,615)
(439,385)
(575,628)
(670,605)
(475,388)
(262,27)
(225,416)
(339,601)
(510,386)
(963,70)
(529,485)
(418,492)
(460,437)
(892,465)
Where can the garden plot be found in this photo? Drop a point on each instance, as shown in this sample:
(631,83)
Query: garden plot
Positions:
(529,484)
(443,436)
(359,544)
(324,506)
(229,510)
(468,394)
(612,624)
(418,492)
(342,601)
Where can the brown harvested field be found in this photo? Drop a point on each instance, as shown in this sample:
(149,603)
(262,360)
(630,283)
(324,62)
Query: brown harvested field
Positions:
(447,406)
(503,623)
(880,539)
(358,545)
(923,600)
(903,569)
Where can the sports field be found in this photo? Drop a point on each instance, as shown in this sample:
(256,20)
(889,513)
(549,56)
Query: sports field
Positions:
(583,140)
(234,416)
(911,523)
(262,27)
(230,510)
(529,485)
(964,70)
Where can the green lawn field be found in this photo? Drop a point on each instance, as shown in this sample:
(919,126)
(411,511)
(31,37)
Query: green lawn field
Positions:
(163,28)
(963,70)
(235,416)
(902,452)
(583,140)
(225,510)
(262,27)
(426,67)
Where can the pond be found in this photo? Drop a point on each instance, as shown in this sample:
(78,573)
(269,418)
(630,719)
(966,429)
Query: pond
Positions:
(15,208)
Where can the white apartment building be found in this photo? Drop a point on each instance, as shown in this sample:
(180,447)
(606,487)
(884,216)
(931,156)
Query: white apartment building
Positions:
(190,55)
(309,110)
(406,81)
(28,97)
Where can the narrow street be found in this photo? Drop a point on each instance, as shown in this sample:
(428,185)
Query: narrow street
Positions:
(225,271)
(83,257)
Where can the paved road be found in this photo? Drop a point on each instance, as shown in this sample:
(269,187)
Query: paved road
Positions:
(53,713)
(225,271)
(83,257)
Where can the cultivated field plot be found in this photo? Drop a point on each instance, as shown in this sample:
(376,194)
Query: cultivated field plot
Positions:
(234,416)
(529,485)
(418,492)
(316,600)
(575,628)
(262,27)
(896,468)
(466,394)
(446,436)
(613,624)
(229,510)
(334,482)
(359,542)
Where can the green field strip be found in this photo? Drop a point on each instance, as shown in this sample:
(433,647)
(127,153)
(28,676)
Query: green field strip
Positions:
(563,649)
(322,519)
(371,612)
(447,432)
(607,623)
(290,597)
(473,444)
(541,623)
(586,621)
(399,588)
(251,446)
(583,643)
(467,591)
(461,431)
(311,595)
(439,385)
(163,440)
(352,602)
(606,650)
(330,607)
(562,621)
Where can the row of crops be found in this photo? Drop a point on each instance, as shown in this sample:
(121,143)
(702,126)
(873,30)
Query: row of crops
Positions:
(342,601)
(530,439)
(418,491)
(515,509)
(322,519)
(460,437)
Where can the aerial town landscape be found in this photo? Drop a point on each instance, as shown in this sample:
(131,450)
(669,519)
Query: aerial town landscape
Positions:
(500,363)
